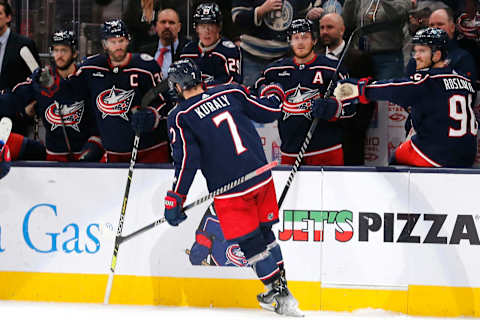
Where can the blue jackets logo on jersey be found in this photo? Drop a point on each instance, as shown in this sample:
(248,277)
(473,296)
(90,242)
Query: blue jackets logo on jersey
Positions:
(72,114)
(115,102)
(298,101)
(235,256)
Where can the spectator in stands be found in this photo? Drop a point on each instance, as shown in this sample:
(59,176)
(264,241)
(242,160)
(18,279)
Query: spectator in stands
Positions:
(167,27)
(330,6)
(264,25)
(140,19)
(458,59)
(13,68)
(468,27)
(418,17)
(385,47)
(358,65)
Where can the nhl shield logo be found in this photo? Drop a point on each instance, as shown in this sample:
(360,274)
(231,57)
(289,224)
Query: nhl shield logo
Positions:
(72,114)
(115,102)
(298,101)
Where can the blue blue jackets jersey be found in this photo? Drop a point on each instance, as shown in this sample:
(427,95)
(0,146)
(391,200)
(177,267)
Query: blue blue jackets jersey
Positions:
(221,252)
(458,59)
(220,65)
(113,92)
(301,84)
(77,116)
(441,110)
(213,132)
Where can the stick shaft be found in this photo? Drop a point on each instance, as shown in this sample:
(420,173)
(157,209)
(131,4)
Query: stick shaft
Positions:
(201,200)
(122,218)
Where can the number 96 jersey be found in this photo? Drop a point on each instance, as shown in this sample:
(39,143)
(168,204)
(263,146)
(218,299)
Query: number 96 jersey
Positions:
(441,111)
(213,132)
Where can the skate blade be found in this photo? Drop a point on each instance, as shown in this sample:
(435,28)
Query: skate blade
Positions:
(292,313)
(266,306)
(288,313)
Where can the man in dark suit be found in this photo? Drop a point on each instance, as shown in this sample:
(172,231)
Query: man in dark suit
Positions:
(13,69)
(358,65)
(167,27)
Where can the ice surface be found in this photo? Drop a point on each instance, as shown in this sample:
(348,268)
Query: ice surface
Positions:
(15,310)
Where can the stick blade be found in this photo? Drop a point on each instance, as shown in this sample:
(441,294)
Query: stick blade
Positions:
(27,56)
(5,129)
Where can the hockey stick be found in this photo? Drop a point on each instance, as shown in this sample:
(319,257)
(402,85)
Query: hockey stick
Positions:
(113,264)
(27,56)
(70,156)
(360,30)
(5,129)
(32,64)
(149,96)
(221,190)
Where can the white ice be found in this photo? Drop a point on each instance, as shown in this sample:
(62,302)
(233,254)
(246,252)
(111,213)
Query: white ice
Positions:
(15,310)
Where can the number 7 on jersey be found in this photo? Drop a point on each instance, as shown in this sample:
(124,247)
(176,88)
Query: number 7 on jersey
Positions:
(237,140)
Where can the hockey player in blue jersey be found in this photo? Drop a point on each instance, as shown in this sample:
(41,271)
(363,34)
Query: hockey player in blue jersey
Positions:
(305,77)
(211,248)
(440,101)
(212,131)
(71,131)
(115,83)
(218,58)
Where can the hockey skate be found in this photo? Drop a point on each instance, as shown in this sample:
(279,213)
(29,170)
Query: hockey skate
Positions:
(279,299)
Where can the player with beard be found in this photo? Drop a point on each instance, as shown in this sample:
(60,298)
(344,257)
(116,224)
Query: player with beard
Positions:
(218,58)
(71,133)
(305,77)
(440,100)
(115,83)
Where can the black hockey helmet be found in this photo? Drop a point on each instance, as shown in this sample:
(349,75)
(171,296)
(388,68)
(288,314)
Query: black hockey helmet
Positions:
(435,38)
(65,37)
(185,73)
(207,13)
(300,26)
(114,29)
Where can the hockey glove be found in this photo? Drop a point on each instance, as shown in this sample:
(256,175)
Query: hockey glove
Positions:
(201,248)
(171,97)
(332,109)
(92,151)
(45,81)
(4,159)
(272,88)
(144,119)
(353,90)
(174,208)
